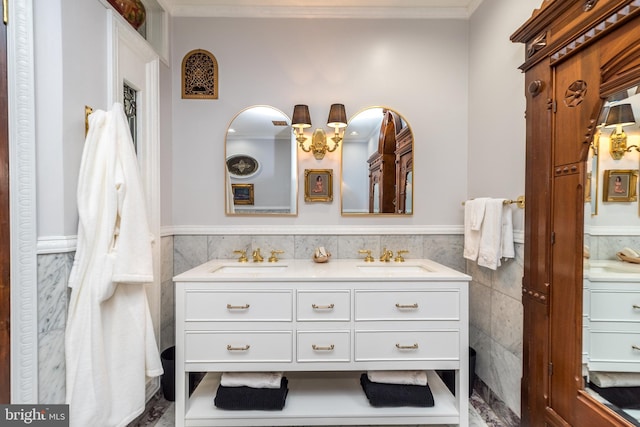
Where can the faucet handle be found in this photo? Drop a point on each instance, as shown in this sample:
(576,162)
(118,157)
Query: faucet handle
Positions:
(368,258)
(273,257)
(243,255)
(399,257)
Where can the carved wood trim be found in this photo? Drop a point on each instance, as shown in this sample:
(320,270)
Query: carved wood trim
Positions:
(596,30)
(621,71)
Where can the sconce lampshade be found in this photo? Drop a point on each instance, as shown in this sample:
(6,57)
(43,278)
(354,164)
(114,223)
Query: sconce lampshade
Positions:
(620,115)
(301,118)
(337,116)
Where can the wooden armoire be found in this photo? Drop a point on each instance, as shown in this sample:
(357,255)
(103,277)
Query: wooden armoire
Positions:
(390,167)
(578,52)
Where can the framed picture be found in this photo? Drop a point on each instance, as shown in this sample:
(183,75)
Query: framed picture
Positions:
(620,185)
(242,194)
(318,185)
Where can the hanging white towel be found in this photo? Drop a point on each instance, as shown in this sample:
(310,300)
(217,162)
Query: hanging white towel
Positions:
(398,377)
(507,247)
(110,346)
(473,217)
(491,235)
(251,379)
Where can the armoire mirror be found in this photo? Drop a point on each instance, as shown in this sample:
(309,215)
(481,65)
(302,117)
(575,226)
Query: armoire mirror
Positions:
(377,164)
(611,302)
(260,163)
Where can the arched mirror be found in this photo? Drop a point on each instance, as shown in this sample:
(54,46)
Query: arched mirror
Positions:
(611,302)
(260,163)
(377,164)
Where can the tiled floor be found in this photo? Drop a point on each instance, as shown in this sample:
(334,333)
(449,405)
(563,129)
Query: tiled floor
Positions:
(161,414)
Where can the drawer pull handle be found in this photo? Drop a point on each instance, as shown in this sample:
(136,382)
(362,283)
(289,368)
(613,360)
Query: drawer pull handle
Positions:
(245,348)
(635,347)
(321,348)
(323,307)
(237,307)
(407,347)
(636,306)
(407,306)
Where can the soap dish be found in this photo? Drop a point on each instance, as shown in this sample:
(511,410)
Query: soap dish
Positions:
(321,255)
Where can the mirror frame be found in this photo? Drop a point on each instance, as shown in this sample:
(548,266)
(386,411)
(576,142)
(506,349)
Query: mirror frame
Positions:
(345,141)
(228,192)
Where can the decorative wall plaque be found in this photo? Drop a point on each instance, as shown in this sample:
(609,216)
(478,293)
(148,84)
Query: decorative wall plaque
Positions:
(199,75)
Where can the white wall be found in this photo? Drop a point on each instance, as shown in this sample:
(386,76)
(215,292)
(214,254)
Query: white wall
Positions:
(70,72)
(497,102)
(419,68)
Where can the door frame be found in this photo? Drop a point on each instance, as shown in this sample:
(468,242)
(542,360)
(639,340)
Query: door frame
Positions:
(22,202)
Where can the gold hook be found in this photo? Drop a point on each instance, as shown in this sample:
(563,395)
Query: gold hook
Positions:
(87,111)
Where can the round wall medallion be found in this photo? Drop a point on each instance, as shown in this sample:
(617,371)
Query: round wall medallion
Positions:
(242,166)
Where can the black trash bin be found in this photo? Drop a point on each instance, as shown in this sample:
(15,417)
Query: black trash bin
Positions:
(168,381)
(449,377)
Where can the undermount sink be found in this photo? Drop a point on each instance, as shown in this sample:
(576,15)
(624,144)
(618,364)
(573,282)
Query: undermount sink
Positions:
(250,269)
(393,269)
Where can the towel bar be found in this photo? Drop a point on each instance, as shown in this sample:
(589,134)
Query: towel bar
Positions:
(519,202)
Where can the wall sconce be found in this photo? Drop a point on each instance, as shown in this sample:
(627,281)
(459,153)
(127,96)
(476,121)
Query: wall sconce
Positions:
(619,115)
(302,120)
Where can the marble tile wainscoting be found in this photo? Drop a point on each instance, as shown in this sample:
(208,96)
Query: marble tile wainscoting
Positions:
(495,307)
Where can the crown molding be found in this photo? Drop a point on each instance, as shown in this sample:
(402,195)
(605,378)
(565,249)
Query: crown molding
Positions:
(210,11)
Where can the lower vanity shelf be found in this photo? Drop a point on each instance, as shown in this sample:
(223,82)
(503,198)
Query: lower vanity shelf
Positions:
(322,398)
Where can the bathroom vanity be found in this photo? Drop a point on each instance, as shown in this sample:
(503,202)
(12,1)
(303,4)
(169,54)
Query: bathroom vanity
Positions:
(612,305)
(323,325)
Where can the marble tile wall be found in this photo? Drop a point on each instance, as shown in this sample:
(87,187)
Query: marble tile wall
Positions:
(495,330)
(605,247)
(495,309)
(53,276)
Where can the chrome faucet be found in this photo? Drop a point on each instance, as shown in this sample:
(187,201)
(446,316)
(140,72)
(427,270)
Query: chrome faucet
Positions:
(386,255)
(256,256)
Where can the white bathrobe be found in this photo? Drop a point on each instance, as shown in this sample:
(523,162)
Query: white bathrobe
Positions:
(110,345)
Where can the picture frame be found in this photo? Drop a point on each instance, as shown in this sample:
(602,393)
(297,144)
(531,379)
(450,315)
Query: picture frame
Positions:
(620,185)
(242,194)
(318,185)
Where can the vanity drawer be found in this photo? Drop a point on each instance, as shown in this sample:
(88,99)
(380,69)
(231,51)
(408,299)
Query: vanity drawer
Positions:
(407,305)
(612,305)
(324,306)
(241,346)
(230,306)
(407,345)
(324,346)
(620,347)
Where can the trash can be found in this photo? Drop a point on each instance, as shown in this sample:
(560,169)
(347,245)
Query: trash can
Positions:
(168,380)
(449,377)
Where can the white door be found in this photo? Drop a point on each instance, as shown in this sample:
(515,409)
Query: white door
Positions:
(133,63)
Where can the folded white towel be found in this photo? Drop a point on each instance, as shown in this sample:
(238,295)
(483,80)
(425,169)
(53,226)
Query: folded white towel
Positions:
(489,253)
(473,217)
(398,377)
(251,379)
(615,379)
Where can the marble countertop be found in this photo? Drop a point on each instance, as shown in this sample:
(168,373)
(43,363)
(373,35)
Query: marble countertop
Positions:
(345,270)
(611,271)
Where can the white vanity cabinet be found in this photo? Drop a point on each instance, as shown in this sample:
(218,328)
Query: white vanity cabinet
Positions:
(323,325)
(614,318)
